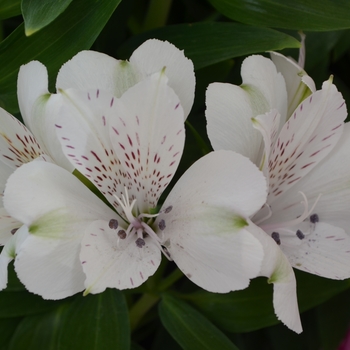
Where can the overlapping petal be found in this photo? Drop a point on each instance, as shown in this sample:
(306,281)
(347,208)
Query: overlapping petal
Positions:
(56,208)
(93,70)
(203,222)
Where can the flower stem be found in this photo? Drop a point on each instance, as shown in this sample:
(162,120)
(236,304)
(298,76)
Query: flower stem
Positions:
(140,308)
(157,14)
(170,280)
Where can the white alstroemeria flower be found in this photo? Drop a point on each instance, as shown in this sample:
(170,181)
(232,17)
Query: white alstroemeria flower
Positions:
(306,168)
(17,146)
(130,148)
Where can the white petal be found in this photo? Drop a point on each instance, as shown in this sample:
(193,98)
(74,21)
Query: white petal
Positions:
(83,131)
(95,70)
(260,76)
(110,262)
(229,124)
(307,137)
(7,224)
(153,55)
(57,208)
(148,136)
(205,216)
(268,125)
(32,82)
(277,268)
(330,179)
(324,252)
(9,253)
(17,144)
(299,84)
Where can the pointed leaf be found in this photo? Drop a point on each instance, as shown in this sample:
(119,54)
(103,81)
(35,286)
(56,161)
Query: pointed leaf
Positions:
(38,14)
(212,42)
(96,322)
(190,328)
(313,15)
(74,30)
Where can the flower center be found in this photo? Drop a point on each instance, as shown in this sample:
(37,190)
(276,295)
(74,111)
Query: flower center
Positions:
(138,229)
(283,232)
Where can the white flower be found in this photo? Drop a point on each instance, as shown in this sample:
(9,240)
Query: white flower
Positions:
(304,222)
(129,148)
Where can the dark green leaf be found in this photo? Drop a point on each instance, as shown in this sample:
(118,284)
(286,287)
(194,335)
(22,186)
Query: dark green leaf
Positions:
(15,304)
(96,322)
(39,332)
(76,29)
(38,14)
(9,8)
(313,15)
(7,329)
(252,308)
(212,42)
(190,328)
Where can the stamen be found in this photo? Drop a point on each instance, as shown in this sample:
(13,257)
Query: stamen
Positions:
(14,230)
(300,235)
(314,218)
(113,224)
(276,237)
(296,221)
(267,216)
(161,225)
(140,242)
(121,234)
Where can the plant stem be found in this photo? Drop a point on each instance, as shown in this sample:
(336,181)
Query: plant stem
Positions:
(170,280)
(157,14)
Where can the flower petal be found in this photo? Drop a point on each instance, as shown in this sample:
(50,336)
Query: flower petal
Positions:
(260,76)
(324,252)
(205,217)
(307,137)
(268,125)
(148,137)
(17,144)
(229,124)
(299,84)
(330,179)
(111,262)
(7,224)
(95,70)
(32,82)
(153,55)
(277,268)
(56,207)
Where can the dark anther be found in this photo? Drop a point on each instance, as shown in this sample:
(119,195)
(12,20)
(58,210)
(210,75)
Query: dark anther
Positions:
(14,230)
(300,235)
(140,242)
(168,210)
(314,218)
(276,237)
(161,225)
(121,234)
(113,224)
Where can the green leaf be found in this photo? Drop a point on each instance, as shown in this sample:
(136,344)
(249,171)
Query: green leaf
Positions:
(211,42)
(75,30)
(313,15)
(95,322)
(9,8)
(38,14)
(16,304)
(252,308)
(190,328)
(39,332)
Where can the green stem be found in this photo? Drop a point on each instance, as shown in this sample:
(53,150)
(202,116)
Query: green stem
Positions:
(157,14)
(140,308)
(203,146)
(170,280)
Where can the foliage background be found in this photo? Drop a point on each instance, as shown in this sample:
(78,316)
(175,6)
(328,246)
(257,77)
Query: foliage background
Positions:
(168,311)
